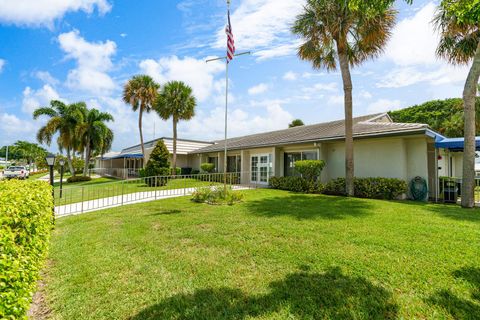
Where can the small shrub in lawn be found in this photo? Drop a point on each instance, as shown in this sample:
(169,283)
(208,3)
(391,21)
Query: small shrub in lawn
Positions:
(195,171)
(74,179)
(216,195)
(310,169)
(295,184)
(374,188)
(26,221)
(158,165)
(207,167)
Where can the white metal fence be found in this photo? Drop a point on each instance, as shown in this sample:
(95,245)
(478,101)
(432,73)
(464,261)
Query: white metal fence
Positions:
(121,173)
(79,199)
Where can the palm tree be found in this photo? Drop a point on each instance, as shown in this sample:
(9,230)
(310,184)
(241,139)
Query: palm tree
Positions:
(334,36)
(140,92)
(458,22)
(175,101)
(94,134)
(64,120)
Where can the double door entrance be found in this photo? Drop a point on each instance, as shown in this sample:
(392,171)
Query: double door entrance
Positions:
(260,168)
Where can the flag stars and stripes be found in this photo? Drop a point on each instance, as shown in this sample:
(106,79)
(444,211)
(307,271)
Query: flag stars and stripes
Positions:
(230,41)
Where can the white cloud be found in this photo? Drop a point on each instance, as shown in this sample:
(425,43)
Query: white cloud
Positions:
(194,72)
(383,105)
(365,94)
(33,99)
(45,12)
(406,76)
(15,128)
(290,76)
(93,63)
(46,77)
(414,39)
(336,99)
(260,88)
(205,125)
(263,25)
(2,64)
(331,87)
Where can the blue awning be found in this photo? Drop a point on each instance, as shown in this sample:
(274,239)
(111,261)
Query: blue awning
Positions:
(125,156)
(455,144)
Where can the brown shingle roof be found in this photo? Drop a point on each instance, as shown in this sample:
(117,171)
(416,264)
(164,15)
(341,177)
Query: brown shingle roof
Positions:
(364,125)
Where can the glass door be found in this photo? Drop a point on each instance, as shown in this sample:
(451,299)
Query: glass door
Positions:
(260,168)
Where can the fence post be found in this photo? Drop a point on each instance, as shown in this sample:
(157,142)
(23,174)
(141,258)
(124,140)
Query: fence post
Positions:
(122,193)
(184,186)
(154,187)
(83,188)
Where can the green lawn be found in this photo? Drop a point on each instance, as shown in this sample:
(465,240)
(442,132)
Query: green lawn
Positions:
(108,187)
(277,255)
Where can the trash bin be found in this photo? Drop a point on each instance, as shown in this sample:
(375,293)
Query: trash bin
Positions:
(450,192)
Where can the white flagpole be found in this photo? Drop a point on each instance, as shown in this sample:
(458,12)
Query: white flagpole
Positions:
(226,119)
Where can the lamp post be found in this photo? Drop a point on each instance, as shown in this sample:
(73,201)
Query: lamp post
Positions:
(50,158)
(62,163)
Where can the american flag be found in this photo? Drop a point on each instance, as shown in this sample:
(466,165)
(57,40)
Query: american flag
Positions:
(230,41)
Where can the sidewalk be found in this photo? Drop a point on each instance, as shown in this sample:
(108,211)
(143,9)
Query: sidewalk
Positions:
(131,198)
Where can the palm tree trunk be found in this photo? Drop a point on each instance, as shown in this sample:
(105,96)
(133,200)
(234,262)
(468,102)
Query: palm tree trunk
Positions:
(469,94)
(347,88)
(87,158)
(70,163)
(140,114)
(174,146)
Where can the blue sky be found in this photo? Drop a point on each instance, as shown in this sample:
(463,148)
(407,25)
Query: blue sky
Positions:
(85,50)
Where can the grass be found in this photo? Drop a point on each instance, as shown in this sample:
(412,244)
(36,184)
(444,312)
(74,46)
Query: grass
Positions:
(107,187)
(277,255)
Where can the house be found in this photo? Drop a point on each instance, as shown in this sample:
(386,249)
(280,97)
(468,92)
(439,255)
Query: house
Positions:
(127,163)
(382,148)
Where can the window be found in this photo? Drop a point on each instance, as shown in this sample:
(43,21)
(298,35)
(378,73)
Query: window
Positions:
(291,157)
(214,160)
(234,164)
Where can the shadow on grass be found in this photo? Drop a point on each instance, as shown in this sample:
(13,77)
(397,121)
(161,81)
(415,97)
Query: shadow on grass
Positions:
(451,211)
(303,206)
(166,212)
(458,307)
(302,295)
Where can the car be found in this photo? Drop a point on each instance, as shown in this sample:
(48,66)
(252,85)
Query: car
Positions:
(18,172)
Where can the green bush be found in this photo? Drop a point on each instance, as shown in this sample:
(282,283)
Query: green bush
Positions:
(310,169)
(74,179)
(78,164)
(195,171)
(26,221)
(207,167)
(374,188)
(155,177)
(295,184)
(158,165)
(186,171)
(216,195)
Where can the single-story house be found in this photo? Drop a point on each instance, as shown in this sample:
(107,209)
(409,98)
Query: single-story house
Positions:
(382,148)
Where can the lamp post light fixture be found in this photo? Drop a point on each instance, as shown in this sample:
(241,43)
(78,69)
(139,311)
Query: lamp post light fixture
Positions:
(50,158)
(62,163)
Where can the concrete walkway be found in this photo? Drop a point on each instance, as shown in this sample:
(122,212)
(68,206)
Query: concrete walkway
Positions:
(131,198)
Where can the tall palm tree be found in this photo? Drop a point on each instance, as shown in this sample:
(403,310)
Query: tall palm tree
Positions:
(175,101)
(458,22)
(94,134)
(335,36)
(140,92)
(64,120)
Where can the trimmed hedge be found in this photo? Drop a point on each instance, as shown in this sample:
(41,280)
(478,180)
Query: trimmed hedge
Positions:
(295,184)
(73,179)
(374,188)
(26,221)
(207,167)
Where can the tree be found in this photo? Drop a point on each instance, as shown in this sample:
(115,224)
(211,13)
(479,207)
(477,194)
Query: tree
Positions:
(335,35)
(296,123)
(158,165)
(64,120)
(444,116)
(29,151)
(94,135)
(140,92)
(175,101)
(458,23)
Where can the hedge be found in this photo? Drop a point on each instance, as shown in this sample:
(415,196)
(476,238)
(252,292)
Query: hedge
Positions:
(74,179)
(26,221)
(374,188)
(295,184)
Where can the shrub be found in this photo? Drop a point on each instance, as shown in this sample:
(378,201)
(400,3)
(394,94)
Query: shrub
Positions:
(158,165)
(186,171)
(195,171)
(207,167)
(26,221)
(77,163)
(216,195)
(310,169)
(295,184)
(74,179)
(374,188)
